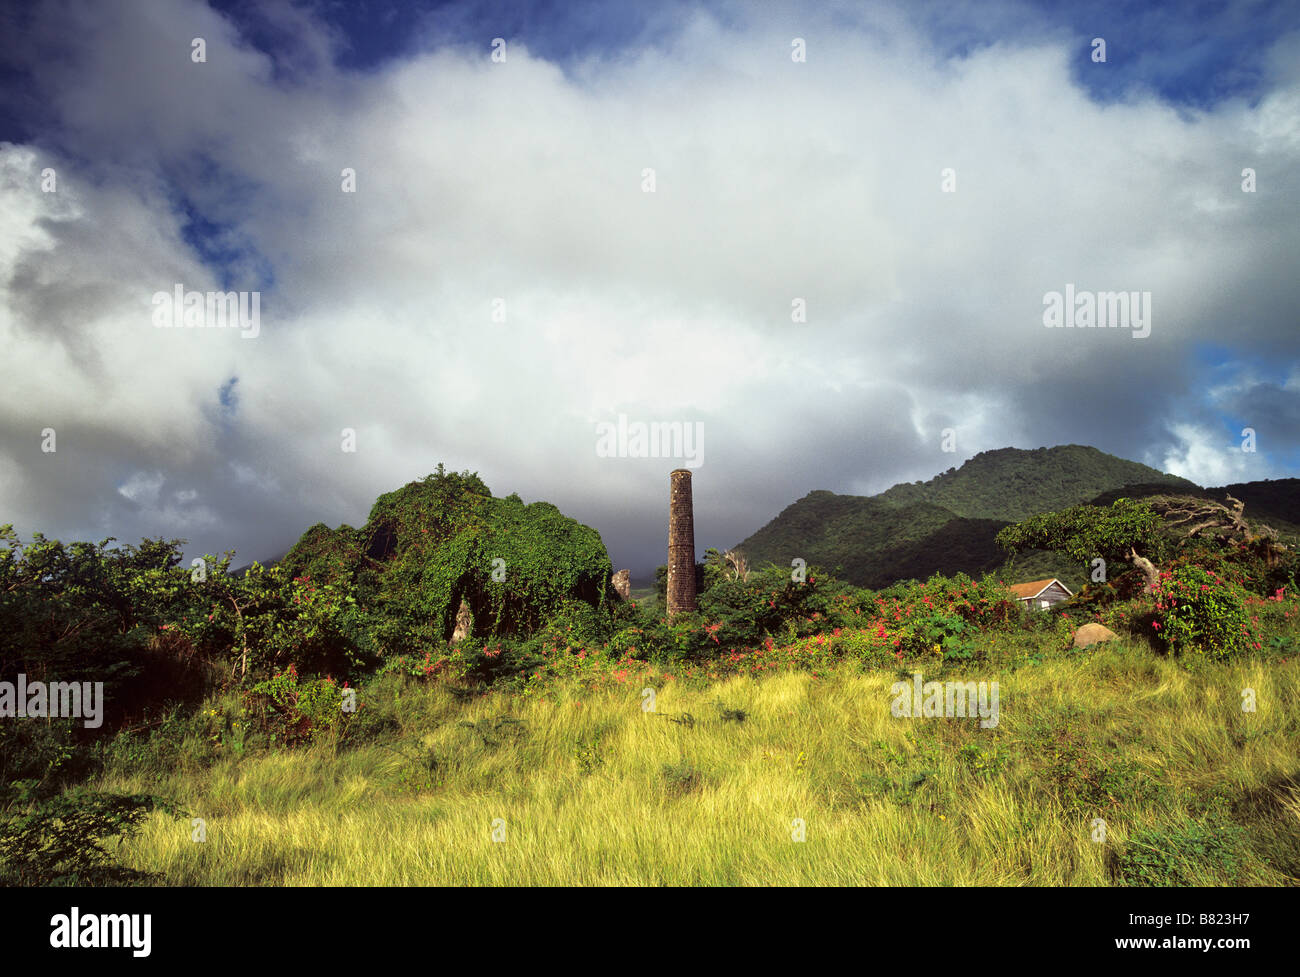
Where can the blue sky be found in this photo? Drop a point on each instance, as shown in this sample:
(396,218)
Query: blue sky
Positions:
(1192,54)
(522,182)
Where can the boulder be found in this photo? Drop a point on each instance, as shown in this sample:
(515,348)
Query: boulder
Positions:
(464,622)
(1091,634)
(622,583)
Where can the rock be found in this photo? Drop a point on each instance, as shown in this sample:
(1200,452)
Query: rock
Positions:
(622,582)
(464,621)
(1091,634)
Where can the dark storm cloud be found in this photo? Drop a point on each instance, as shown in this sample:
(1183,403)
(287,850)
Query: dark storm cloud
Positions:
(520,185)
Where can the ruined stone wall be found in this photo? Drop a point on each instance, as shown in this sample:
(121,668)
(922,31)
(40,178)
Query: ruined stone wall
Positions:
(681,543)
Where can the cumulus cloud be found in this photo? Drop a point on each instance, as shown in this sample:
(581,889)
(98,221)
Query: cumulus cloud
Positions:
(519,188)
(1207,457)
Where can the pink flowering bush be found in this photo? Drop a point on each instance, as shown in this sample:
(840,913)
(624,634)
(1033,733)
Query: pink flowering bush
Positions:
(1198,610)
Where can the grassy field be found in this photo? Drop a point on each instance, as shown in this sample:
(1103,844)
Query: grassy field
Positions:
(586,788)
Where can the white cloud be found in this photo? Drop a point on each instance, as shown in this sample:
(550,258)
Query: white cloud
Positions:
(1209,458)
(476,181)
(142,488)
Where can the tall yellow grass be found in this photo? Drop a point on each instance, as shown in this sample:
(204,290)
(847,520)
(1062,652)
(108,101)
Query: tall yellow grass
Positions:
(590,790)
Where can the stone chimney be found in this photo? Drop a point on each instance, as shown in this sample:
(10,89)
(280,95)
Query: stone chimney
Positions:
(681,543)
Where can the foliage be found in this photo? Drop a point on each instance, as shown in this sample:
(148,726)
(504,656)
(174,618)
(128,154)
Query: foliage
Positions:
(295,710)
(444,539)
(62,841)
(681,778)
(1181,855)
(1198,610)
(945,617)
(1086,532)
(38,758)
(947,525)
(736,613)
(330,556)
(1256,567)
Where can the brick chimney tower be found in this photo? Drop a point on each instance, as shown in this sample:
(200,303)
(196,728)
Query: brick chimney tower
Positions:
(681,543)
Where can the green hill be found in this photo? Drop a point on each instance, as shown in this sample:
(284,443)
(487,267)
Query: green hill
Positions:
(948,524)
(1014,484)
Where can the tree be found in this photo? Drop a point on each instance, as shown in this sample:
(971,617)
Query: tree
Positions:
(1141,533)
(1086,532)
(730,566)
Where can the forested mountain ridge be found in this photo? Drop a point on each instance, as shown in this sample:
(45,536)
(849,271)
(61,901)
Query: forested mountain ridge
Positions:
(1013,484)
(949,523)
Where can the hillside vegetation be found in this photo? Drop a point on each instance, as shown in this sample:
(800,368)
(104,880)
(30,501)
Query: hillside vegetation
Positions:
(950,523)
(314,723)
(1012,484)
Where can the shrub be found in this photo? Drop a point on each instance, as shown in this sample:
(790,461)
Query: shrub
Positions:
(62,841)
(38,757)
(681,778)
(576,624)
(672,641)
(630,643)
(295,710)
(1182,855)
(1198,610)
(481,661)
(944,616)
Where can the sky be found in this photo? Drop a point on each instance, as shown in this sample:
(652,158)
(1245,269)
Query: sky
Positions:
(823,236)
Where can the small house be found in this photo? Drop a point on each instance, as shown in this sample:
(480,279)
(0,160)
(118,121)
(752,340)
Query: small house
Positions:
(1041,594)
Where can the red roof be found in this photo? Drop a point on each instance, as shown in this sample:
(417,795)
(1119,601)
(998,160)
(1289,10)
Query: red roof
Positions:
(1028,591)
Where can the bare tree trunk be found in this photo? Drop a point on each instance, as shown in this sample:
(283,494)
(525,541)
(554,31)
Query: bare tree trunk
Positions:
(1148,570)
(738,566)
(243,636)
(1193,518)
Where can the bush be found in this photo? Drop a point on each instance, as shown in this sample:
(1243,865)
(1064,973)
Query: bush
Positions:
(943,616)
(628,642)
(61,841)
(1198,610)
(684,638)
(500,659)
(576,624)
(38,757)
(771,604)
(294,710)
(681,778)
(1256,567)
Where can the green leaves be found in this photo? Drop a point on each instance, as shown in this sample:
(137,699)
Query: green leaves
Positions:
(1086,532)
(67,840)
(443,539)
(1198,610)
